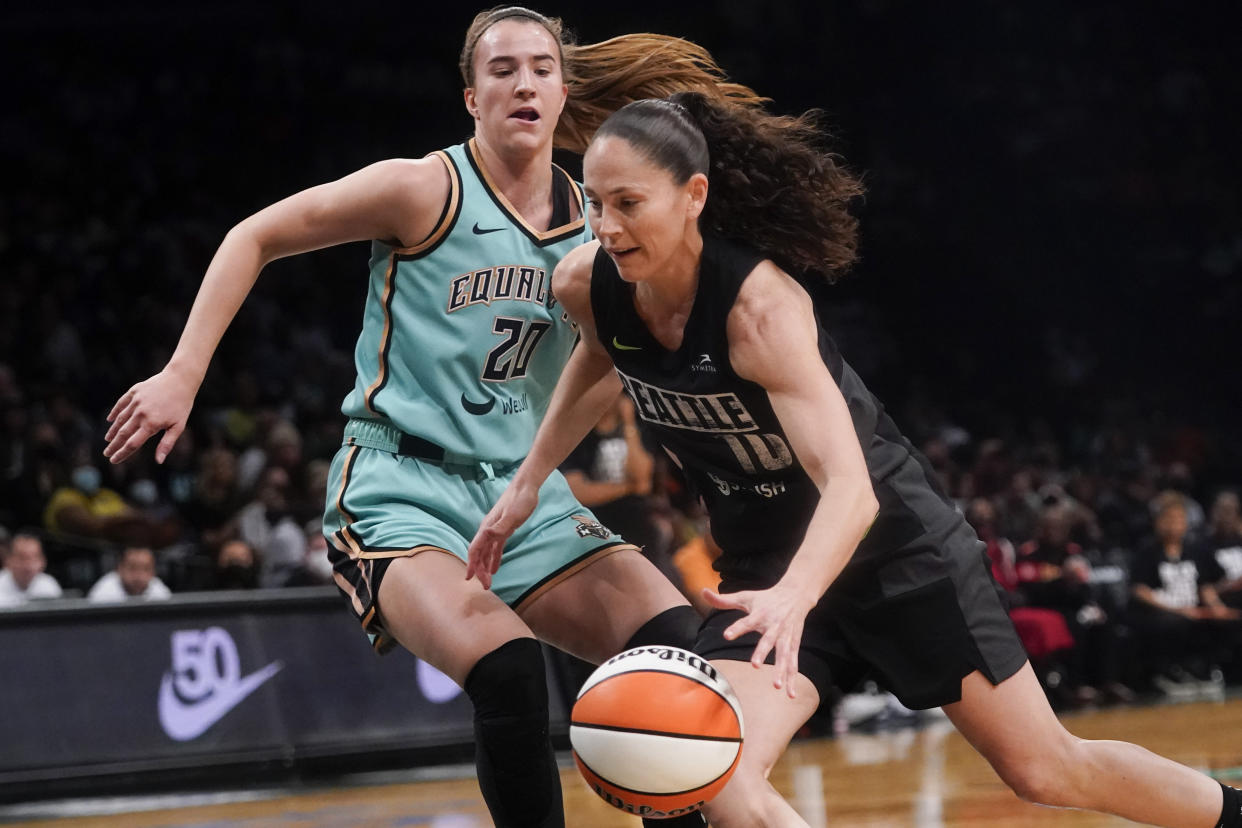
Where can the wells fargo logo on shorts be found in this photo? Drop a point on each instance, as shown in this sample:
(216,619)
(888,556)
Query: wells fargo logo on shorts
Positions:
(589,527)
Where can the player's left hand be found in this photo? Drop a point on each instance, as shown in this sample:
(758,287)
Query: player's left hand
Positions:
(777,614)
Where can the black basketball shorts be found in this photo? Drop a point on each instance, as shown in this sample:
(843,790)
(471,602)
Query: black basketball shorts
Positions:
(918,642)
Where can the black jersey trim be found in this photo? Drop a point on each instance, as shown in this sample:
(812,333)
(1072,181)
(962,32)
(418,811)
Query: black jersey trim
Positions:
(444,225)
(540,238)
(449,214)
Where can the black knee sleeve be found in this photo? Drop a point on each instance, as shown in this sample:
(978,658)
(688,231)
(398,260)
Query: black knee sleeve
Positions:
(675,627)
(513,753)
(1231,810)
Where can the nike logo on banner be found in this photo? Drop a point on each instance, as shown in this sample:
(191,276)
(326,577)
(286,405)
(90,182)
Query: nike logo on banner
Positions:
(477,409)
(621,347)
(436,686)
(185,721)
(482,231)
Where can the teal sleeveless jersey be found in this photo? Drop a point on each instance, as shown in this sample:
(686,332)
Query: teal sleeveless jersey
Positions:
(462,341)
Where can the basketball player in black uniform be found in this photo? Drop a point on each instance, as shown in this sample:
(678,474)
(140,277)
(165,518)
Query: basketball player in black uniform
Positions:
(841,555)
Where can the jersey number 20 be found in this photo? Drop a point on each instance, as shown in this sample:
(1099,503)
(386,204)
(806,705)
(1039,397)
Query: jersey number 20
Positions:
(510,359)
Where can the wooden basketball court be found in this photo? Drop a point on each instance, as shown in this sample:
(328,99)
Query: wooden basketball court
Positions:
(928,778)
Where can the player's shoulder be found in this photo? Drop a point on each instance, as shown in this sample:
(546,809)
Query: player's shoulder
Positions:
(579,262)
(768,295)
(430,171)
(571,281)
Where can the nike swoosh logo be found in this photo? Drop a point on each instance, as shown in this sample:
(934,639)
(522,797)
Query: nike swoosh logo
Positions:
(621,347)
(437,687)
(184,722)
(477,409)
(482,231)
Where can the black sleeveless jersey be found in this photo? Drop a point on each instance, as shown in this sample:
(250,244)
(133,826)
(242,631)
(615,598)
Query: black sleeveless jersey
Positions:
(721,430)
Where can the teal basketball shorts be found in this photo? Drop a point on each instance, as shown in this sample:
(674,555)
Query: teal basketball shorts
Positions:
(383,505)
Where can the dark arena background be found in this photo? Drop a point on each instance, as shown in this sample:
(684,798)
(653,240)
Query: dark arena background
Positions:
(1047,299)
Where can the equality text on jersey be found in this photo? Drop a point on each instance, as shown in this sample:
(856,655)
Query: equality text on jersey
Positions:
(514,283)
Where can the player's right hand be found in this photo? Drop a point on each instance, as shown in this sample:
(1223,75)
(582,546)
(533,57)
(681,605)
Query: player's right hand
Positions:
(161,403)
(511,511)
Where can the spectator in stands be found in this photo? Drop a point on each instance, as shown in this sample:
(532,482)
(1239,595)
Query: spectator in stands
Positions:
(1053,573)
(1175,607)
(267,524)
(237,567)
(1123,505)
(252,458)
(23,578)
(85,507)
(134,577)
(283,447)
(611,474)
(316,569)
(1178,477)
(217,497)
(14,450)
(1224,543)
(1017,507)
(39,471)
(1044,633)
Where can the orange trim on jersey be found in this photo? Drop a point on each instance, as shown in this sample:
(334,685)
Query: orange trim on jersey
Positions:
(574,569)
(450,209)
(347,471)
(346,587)
(377,554)
(507,206)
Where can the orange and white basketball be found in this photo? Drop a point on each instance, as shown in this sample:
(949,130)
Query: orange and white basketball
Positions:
(656,731)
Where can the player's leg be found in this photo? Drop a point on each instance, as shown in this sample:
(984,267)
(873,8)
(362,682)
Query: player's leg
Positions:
(1014,728)
(617,601)
(469,634)
(603,599)
(385,521)
(770,719)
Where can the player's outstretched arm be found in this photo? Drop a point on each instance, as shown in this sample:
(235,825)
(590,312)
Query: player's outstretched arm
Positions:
(394,200)
(773,340)
(585,390)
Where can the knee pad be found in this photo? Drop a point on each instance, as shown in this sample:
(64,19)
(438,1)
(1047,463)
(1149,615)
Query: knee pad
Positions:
(513,753)
(675,627)
(510,680)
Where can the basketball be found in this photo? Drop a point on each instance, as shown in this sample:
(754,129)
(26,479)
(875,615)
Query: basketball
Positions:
(656,731)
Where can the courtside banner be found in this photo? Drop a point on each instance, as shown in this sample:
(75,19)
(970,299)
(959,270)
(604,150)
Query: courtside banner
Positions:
(208,680)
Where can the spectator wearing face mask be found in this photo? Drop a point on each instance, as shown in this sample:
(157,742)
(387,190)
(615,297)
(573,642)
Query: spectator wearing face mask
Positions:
(237,567)
(134,577)
(84,506)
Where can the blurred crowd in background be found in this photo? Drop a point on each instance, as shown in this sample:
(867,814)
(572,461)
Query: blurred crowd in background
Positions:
(1047,297)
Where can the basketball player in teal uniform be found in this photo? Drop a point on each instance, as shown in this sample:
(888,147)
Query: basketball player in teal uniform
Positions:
(461,345)
(841,555)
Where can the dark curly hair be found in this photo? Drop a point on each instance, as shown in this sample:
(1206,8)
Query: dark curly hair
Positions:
(770,183)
